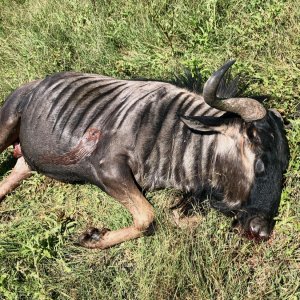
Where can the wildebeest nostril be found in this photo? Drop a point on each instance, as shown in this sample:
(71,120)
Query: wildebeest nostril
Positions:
(264,235)
(254,228)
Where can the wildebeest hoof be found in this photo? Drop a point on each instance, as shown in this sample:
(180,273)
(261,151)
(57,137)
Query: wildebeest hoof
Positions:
(91,237)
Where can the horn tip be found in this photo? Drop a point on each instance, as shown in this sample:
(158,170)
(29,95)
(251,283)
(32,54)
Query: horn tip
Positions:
(229,63)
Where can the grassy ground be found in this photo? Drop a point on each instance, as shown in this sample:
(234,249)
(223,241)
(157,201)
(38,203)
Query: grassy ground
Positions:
(39,221)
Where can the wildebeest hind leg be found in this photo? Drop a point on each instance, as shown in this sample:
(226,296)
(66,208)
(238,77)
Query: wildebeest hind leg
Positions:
(120,185)
(9,133)
(20,172)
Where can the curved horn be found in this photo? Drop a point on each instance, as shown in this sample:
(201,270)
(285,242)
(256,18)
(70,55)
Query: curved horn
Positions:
(249,109)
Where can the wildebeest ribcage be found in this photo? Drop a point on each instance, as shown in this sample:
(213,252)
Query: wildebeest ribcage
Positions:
(130,136)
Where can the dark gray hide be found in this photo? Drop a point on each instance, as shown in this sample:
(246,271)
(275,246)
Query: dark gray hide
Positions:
(125,136)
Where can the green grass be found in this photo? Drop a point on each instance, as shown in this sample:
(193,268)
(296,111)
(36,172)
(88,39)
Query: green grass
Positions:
(40,221)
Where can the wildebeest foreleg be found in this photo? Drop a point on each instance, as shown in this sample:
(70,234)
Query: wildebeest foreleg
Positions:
(20,172)
(122,187)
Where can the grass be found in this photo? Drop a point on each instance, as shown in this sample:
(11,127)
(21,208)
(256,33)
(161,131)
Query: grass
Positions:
(129,39)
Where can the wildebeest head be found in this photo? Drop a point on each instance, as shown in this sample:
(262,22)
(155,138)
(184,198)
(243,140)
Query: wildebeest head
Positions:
(251,156)
(271,160)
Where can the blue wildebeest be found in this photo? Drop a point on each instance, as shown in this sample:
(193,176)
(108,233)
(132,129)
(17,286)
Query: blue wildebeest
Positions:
(128,136)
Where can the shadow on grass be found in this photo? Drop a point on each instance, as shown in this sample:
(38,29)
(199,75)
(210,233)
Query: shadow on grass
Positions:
(7,165)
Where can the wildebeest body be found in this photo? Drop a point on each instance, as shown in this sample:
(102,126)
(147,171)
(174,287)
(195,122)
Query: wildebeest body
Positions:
(136,119)
(127,136)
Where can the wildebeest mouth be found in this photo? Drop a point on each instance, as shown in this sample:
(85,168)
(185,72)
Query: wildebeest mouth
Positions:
(256,227)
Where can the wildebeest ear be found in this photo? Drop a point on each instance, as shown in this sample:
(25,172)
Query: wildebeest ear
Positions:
(276,113)
(205,123)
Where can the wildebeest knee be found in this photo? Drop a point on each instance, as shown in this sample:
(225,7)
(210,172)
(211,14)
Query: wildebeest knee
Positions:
(144,220)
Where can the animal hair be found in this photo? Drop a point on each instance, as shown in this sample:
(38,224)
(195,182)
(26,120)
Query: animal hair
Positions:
(192,80)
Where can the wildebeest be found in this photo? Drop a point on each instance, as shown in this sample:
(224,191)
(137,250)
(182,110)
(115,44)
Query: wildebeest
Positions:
(129,136)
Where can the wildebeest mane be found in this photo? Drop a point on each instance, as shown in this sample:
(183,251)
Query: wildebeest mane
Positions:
(192,80)
(230,86)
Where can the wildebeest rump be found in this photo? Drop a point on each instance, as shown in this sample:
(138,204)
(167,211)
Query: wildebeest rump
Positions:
(129,136)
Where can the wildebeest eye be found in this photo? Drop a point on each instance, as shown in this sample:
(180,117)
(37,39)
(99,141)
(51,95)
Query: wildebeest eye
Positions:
(259,167)
(253,134)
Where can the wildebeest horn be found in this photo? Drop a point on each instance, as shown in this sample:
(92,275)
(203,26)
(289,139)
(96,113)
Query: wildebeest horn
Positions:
(249,109)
